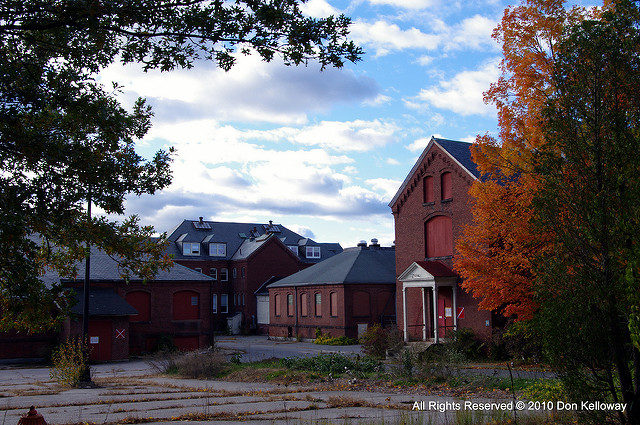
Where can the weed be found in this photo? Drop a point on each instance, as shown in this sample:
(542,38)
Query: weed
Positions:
(69,362)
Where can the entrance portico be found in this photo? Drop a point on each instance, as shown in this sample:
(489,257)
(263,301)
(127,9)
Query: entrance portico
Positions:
(437,282)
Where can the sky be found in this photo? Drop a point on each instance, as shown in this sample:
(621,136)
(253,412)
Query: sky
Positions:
(321,152)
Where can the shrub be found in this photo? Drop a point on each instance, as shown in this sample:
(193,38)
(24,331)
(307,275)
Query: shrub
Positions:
(69,362)
(465,341)
(323,339)
(376,341)
(196,364)
(545,390)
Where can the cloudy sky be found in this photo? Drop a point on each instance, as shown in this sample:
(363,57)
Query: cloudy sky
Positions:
(320,152)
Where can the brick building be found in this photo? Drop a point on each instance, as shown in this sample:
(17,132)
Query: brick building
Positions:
(241,257)
(430,211)
(342,295)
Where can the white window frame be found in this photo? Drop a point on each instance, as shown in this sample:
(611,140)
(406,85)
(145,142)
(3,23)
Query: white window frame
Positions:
(213,272)
(235,273)
(187,248)
(217,249)
(313,252)
(224,274)
(293,248)
(224,303)
(214,303)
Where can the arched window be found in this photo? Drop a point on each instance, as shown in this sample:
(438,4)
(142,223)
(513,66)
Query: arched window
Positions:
(186,305)
(445,186)
(427,189)
(277,303)
(141,301)
(303,304)
(333,304)
(289,304)
(318,303)
(438,235)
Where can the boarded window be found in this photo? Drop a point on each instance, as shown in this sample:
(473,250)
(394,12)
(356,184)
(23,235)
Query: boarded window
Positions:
(186,305)
(277,303)
(303,304)
(214,303)
(318,304)
(445,186)
(333,304)
(289,304)
(224,303)
(427,189)
(439,237)
(141,301)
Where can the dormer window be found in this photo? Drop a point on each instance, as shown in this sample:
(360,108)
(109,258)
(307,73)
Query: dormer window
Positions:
(218,249)
(313,252)
(190,248)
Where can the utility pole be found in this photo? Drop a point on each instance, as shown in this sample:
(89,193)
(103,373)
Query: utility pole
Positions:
(86,373)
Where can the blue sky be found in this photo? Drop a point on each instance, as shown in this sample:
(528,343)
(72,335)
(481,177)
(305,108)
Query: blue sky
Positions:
(320,152)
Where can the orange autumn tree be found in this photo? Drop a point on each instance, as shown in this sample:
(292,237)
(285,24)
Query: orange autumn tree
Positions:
(496,251)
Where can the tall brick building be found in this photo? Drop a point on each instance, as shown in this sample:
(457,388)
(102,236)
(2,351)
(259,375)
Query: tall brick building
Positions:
(430,211)
(241,257)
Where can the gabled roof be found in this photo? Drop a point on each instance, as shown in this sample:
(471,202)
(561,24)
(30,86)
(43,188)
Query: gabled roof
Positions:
(359,265)
(427,271)
(458,151)
(102,302)
(235,235)
(437,268)
(262,290)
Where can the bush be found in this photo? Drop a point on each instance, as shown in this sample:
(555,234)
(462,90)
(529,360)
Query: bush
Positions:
(323,339)
(546,390)
(196,364)
(376,341)
(69,362)
(465,342)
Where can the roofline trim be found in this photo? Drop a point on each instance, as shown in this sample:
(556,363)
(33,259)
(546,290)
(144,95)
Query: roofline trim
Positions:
(418,162)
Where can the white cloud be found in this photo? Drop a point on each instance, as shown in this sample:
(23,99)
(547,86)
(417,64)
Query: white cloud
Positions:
(462,94)
(379,100)
(388,187)
(318,9)
(355,135)
(472,33)
(425,60)
(406,4)
(252,91)
(418,144)
(392,161)
(385,37)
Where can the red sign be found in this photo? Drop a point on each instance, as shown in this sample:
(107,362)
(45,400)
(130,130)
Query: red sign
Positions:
(119,333)
(460,313)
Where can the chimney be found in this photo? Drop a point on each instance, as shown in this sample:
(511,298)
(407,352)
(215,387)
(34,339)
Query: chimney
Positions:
(270,222)
(201,219)
(374,243)
(362,244)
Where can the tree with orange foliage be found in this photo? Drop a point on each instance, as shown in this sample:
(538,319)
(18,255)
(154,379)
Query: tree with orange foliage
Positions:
(497,250)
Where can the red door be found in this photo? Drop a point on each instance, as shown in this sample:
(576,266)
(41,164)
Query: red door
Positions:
(445,311)
(100,340)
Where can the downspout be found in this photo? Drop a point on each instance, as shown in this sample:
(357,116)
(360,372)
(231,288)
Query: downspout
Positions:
(295,303)
(211,318)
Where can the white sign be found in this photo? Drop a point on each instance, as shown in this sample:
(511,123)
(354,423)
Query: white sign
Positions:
(94,340)
(448,312)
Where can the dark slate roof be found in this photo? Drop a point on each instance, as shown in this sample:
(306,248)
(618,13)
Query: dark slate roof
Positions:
(102,302)
(231,234)
(262,290)
(105,268)
(359,265)
(437,269)
(460,151)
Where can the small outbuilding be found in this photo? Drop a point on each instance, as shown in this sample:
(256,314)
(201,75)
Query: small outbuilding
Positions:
(340,296)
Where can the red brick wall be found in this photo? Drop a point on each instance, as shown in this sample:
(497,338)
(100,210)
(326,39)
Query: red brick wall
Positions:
(15,345)
(119,346)
(411,214)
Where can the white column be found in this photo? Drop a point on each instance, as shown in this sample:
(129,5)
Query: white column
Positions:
(424,316)
(455,309)
(404,312)
(435,313)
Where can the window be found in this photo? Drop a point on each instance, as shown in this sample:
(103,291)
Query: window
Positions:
(313,252)
(427,189)
(186,305)
(289,304)
(438,234)
(191,248)
(214,273)
(277,304)
(293,248)
(224,303)
(234,273)
(242,272)
(214,303)
(318,303)
(224,275)
(303,304)
(333,304)
(198,269)
(218,249)
(141,301)
(445,186)
(242,299)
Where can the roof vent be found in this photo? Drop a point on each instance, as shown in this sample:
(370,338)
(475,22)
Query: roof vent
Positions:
(362,243)
(374,243)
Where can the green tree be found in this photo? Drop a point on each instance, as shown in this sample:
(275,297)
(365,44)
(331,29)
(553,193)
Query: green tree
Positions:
(64,138)
(589,198)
